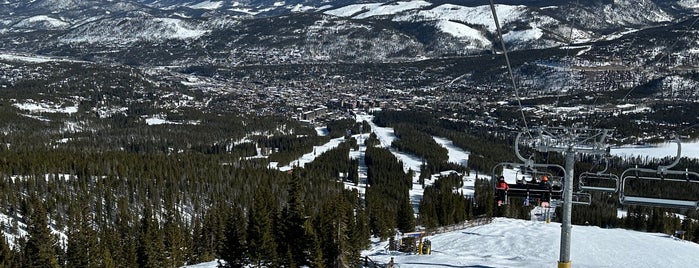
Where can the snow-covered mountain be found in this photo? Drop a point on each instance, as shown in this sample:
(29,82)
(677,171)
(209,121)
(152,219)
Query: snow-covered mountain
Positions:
(345,30)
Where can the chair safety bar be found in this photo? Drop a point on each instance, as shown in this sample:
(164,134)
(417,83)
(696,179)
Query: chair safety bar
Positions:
(586,179)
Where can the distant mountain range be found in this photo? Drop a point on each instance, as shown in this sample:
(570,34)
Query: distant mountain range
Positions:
(253,32)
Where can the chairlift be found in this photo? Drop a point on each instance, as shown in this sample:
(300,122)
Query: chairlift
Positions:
(581,198)
(662,179)
(532,189)
(599,181)
(526,189)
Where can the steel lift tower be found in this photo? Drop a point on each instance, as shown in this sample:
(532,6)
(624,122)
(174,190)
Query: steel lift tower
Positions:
(568,141)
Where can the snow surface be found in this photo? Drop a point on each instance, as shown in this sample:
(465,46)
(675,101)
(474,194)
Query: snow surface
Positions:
(529,34)
(480,15)
(208,5)
(392,8)
(159,120)
(520,243)
(53,22)
(456,154)
(151,121)
(309,157)
(362,11)
(31,58)
(300,8)
(689,149)
(463,31)
(159,29)
(350,10)
(689,3)
(45,108)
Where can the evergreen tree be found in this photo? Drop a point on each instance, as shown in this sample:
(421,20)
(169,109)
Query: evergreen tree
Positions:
(234,247)
(107,260)
(6,254)
(125,237)
(39,251)
(83,248)
(405,217)
(262,247)
(313,252)
(332,228)
(175,243)
(150,243)
(295,235)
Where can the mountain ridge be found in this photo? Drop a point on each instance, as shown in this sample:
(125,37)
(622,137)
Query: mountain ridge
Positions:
(416,28)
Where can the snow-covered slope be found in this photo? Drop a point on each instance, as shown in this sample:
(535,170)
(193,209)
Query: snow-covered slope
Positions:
(519,243)
(689,3)
(327,30)
(133,29)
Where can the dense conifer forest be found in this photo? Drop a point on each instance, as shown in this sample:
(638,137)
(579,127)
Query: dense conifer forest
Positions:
(138,195)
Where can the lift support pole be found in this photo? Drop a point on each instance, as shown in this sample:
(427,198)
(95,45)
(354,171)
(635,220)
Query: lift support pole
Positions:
(566,226)
(570,141)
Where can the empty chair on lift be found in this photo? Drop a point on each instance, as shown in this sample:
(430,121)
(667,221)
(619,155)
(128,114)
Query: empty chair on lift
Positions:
(672,189)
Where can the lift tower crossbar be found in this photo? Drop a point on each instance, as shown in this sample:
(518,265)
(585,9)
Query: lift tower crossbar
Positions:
(567,141)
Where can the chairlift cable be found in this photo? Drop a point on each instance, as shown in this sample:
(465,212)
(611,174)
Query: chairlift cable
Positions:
(509,66)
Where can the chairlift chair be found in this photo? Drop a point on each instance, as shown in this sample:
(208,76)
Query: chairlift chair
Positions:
(598,182)
(668,201)
(662,175)
(527,190)
(581,198)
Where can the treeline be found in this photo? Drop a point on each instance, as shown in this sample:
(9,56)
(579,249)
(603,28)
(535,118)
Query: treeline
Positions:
(387,194)
(288,148)
(420,144)
(336,163)
(340,128)
(485,149)
(441,205)
(122,209)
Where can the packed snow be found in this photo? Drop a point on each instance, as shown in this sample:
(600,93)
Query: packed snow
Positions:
(519,243)
(309,157)
(160,120)
(456,154)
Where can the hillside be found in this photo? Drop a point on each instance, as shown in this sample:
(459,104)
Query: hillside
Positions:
(289,133)
(520,243)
